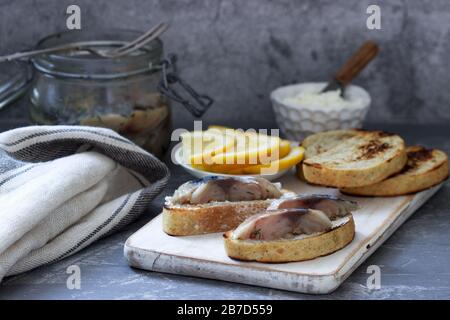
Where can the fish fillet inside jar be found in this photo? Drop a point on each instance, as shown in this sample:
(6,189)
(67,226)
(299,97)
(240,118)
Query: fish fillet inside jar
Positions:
(147,126)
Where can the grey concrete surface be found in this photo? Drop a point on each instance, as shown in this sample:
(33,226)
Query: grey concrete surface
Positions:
(238,51)
(413,261)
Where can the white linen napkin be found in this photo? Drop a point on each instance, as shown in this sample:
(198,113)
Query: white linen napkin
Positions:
(63,187)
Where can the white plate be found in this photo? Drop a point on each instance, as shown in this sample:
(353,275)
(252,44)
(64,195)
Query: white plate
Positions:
(177,153)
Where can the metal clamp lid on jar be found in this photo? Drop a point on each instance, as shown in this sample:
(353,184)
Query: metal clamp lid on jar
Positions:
(200,102)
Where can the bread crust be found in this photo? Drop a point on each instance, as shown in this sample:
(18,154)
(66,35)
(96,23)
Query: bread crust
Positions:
(290,250)
(185,220)
(405,182)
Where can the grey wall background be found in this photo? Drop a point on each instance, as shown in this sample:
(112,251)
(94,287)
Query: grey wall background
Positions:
(238,51)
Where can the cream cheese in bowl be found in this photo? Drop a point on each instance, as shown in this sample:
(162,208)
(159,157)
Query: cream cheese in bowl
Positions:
(303,109)
(313,98)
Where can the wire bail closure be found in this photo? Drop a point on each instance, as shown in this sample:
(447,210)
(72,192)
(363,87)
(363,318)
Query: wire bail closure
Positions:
(200,102)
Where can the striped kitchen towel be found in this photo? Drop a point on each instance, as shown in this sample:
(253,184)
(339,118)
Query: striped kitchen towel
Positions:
(63,187)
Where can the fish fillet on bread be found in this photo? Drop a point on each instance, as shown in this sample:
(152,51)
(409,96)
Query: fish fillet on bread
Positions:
(294,229)
(352,158)
(217,204)
(424,169)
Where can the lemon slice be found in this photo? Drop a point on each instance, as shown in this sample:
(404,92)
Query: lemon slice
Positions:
(293,158)
(220,128)
(215,168)
(200,146)
(285,145)
(250,148)
(284,149)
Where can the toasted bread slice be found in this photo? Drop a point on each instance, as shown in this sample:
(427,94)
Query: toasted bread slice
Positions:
(365,158)
(305,247)
(321,142)
(318,143)
(188,219)
(424,169)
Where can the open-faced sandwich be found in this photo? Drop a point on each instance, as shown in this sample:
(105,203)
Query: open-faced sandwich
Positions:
(294,229)
(217,204)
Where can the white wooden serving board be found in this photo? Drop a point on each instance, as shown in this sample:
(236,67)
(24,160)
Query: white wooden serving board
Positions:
(204,256)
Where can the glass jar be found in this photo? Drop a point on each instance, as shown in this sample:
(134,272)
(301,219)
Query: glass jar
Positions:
(80,88)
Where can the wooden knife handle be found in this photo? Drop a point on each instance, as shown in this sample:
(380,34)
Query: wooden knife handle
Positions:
(357,62)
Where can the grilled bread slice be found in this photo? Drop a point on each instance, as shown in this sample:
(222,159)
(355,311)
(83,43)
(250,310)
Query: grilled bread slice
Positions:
(189,219)
(362,158)
(424,169)
(300,248)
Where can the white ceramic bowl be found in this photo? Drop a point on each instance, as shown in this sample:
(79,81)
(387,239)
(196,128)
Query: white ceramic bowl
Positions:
(298,121)
(178,159)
